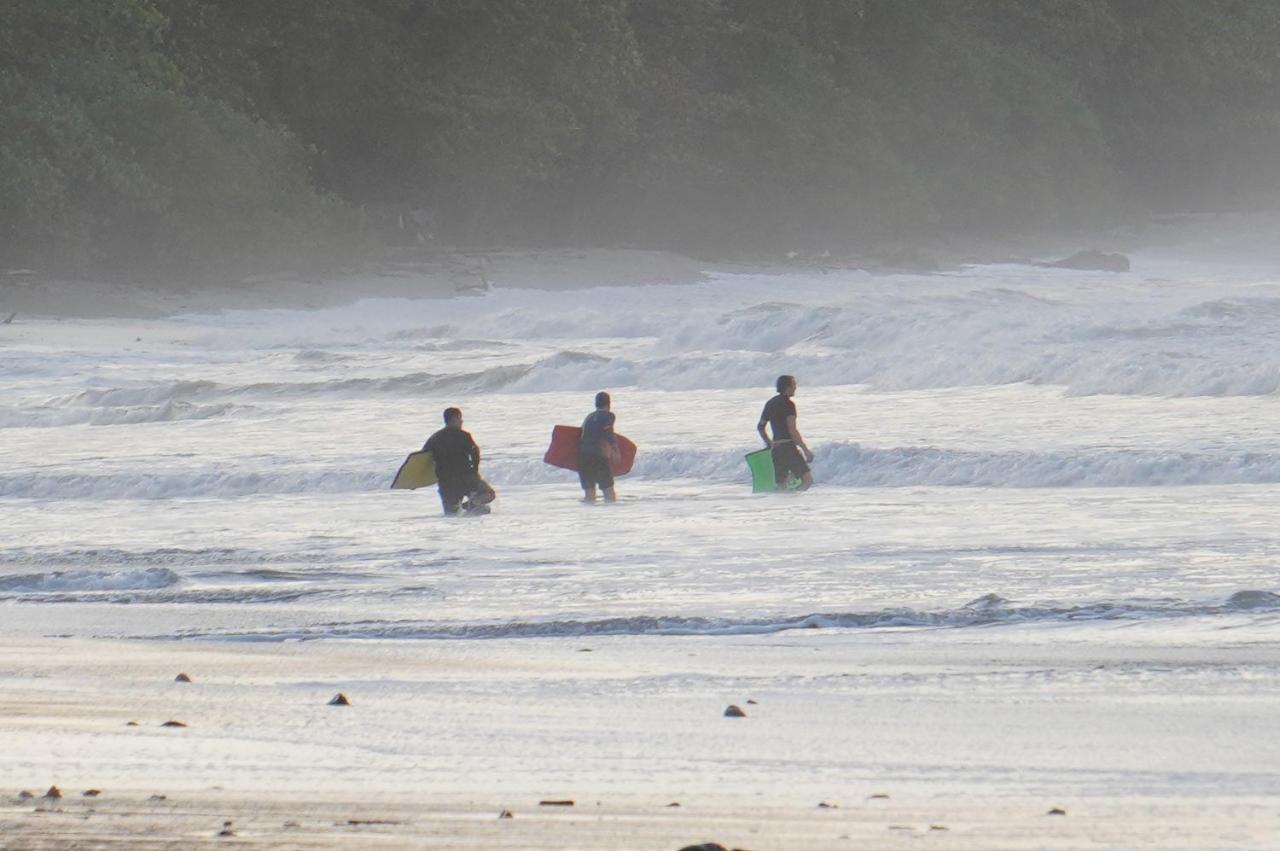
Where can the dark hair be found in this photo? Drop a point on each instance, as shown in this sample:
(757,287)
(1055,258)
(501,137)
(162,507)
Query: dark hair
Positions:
(602,400)
(450,413)
(784,381)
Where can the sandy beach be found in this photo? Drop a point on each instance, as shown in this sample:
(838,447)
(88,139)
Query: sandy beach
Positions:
(441,737)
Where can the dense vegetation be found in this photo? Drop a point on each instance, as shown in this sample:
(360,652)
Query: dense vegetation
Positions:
(152,134)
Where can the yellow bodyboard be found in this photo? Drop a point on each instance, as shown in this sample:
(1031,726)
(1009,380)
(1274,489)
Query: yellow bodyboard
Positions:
(417,471)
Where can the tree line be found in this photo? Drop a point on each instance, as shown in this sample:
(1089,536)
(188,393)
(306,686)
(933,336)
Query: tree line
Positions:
(173,134)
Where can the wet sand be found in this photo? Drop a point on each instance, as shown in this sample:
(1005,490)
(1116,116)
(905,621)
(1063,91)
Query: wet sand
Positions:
(441,737)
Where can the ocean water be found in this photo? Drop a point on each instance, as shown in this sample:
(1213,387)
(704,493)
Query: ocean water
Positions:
(999,446)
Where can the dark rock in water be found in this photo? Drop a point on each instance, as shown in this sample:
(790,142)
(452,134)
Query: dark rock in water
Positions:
(938,827)
(182,678)
(158,798)
(25,794)
(173,724)
(878,796)
(91,793)
(131,723)
(339,699)
(823,805)
(1056,811)
(226,829)
(505,814)
(706,846)
(54,792)
(734,712)
(561,803)
(673,804)
(751,702)
(1091,260)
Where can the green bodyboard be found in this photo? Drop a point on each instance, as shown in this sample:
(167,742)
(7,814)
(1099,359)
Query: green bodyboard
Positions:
(763,477)
(417,471)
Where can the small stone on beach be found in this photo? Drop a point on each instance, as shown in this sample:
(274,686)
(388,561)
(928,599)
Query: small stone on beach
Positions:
(339,699)
(938,827)
(1056,811)
(751,702)
(706,846)
(561,803)
(91,793)
(823,805)
(131,723)
(878,796)
(173,724)
(158,798)
(734,712)
(182,678)
(54,792)
(505,814)
(673,804)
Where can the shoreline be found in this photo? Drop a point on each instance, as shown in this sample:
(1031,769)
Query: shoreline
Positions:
(439,275)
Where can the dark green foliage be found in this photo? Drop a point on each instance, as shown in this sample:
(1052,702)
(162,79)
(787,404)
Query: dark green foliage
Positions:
(158,134)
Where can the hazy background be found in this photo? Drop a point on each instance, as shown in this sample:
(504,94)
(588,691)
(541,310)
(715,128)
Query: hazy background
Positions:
(162,135)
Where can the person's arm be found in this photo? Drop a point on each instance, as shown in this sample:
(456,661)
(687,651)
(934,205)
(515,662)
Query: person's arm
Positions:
(797,439)
(475,456)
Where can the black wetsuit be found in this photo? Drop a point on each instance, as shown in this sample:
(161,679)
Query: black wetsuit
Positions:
(594,448)
(458,468)
(787,461)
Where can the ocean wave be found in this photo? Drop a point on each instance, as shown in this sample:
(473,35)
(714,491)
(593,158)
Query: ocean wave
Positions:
(188,485)
(854,465)
(66,581)
(97,557)
(840,464)
(172,410)
(989,610)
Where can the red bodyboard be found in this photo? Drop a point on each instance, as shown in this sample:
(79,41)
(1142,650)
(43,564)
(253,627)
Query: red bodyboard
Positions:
(563,451)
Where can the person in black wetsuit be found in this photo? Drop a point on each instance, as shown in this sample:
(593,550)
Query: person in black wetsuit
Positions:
(787,444)
(458,468)
(595,448)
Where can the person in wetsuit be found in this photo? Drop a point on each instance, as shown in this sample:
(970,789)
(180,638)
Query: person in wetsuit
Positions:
(595,449)
(787,445)
(458,468)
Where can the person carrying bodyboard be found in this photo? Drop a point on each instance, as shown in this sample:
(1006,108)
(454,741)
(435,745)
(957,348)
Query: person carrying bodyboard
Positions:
(787,445)
(597,447)
(457,460)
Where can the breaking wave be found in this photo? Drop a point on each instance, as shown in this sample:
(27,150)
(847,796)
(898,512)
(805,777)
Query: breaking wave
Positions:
(172,410)
(989,610)
(66,581)
(840,464)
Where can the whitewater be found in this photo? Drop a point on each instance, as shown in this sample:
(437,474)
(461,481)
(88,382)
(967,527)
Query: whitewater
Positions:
(1007,456)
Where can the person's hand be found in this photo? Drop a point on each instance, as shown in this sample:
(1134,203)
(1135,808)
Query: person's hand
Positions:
(808,456)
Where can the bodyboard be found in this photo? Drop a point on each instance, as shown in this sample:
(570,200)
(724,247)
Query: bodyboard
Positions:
(764,479)
(417,471)
(563,451)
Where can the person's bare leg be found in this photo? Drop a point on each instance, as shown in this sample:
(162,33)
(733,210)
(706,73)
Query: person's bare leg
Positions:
(589,494)
(806,482)
(610,495)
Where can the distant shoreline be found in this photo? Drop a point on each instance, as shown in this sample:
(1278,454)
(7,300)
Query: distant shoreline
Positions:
(426,272)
